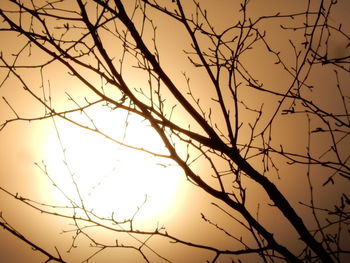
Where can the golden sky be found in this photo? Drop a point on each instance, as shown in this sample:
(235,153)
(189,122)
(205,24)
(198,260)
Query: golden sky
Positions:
(38,159)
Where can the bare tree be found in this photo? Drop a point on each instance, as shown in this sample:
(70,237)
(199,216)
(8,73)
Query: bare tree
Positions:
(260,103)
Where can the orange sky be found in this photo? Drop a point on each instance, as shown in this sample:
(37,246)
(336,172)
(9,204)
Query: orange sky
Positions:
(24,143)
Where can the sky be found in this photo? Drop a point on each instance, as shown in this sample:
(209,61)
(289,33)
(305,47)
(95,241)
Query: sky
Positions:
(38,158)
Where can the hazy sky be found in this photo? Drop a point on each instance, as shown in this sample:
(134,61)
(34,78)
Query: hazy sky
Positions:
(113,178)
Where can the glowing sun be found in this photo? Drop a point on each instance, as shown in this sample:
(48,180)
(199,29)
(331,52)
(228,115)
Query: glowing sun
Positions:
(109,178)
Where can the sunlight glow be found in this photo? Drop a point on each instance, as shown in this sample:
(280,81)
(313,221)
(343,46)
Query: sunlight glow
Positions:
(112,178)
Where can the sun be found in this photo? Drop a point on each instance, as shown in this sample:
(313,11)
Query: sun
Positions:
(107,178)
